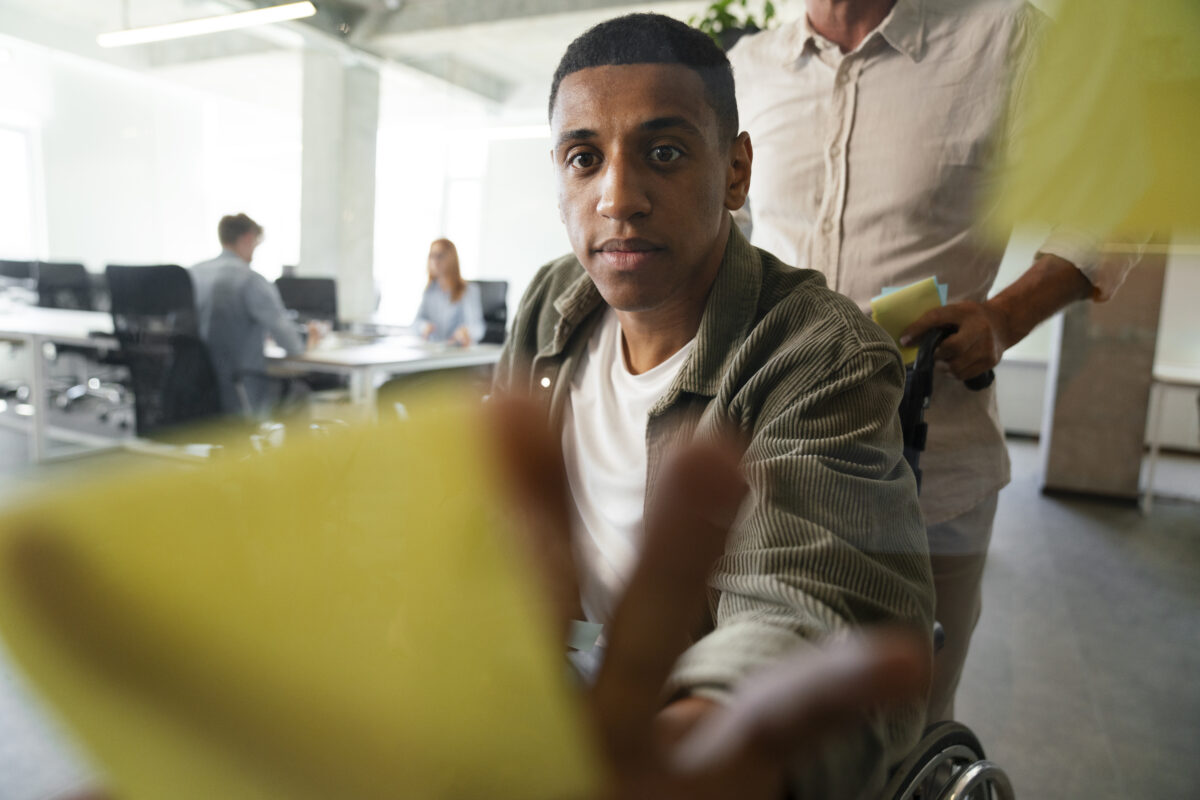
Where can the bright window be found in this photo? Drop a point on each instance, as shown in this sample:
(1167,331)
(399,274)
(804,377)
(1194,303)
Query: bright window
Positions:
(18,217)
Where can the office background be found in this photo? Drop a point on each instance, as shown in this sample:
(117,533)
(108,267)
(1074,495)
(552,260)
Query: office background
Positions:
(354,152)
(436,127)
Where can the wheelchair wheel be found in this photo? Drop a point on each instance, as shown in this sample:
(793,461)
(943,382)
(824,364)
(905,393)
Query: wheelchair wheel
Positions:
(947,764)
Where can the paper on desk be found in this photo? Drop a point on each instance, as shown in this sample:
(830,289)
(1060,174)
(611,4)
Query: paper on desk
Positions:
(897,308)
(338,619)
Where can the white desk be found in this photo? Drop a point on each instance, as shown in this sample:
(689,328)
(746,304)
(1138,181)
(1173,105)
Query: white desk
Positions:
(36,328)
(362,360)
(365,362)
(1164,377)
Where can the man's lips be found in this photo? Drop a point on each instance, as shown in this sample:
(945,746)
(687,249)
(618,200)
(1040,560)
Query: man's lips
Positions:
(627,246)
(627,253)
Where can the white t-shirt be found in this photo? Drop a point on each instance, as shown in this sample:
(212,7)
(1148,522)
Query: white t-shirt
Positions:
(604,446)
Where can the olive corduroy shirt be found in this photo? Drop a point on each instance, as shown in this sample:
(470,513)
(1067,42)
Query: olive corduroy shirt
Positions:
(833,538)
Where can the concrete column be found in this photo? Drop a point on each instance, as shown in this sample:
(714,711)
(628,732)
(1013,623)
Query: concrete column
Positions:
(1094,430)
(337,203)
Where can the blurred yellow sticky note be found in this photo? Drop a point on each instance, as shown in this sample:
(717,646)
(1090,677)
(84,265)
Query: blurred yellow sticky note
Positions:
(897,310)
(1109,121)
(342,618)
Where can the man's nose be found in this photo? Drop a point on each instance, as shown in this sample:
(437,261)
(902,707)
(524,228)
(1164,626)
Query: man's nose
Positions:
(622,192)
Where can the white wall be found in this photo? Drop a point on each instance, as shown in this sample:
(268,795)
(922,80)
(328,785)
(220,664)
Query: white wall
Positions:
(431,161)
(522,229)
(138,169)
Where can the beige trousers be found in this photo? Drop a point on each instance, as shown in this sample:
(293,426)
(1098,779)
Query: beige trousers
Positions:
(957,552)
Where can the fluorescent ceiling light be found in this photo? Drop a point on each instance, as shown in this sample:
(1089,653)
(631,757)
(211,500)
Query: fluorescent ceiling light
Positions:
(197,27)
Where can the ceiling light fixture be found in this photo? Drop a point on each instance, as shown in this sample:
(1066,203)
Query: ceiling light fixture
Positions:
(198,27)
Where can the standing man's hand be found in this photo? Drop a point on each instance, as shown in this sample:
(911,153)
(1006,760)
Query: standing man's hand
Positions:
(982,333)
(695,747)
(985,330)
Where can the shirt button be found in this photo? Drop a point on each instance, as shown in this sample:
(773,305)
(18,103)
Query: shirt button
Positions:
(835,151)
(545,382)
(826,226)
(843,78)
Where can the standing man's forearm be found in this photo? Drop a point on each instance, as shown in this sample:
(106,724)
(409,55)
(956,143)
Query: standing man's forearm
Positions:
(1051,284)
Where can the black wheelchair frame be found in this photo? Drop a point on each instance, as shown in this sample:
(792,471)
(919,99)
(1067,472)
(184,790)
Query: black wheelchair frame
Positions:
(948,763)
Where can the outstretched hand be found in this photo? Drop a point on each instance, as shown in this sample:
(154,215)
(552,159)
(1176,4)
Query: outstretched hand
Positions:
(693,748)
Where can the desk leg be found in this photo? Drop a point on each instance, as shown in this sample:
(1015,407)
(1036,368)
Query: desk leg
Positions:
(357,393)
(370,394)
(1148,493)
(362,391)
(37,390)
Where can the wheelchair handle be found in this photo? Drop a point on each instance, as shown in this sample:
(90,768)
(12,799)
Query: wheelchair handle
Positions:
(931,343)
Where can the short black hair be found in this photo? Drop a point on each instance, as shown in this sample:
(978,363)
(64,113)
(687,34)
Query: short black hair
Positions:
(655,39)
(235,226)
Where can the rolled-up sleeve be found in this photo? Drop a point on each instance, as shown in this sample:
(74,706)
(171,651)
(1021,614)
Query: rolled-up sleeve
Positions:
(1085,250)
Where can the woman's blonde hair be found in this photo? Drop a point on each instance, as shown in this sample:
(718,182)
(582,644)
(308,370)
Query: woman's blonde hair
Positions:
(451,270)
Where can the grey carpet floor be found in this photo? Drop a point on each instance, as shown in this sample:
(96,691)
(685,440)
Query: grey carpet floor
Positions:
(1084,674)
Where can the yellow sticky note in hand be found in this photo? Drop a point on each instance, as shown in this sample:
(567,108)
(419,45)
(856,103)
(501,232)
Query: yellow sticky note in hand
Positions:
(897,310)
(342,618)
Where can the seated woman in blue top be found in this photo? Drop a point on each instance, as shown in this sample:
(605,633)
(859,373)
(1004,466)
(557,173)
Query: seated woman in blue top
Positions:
(451,309)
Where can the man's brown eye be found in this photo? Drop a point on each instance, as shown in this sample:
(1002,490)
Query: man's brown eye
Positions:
(665,154)
(582,160)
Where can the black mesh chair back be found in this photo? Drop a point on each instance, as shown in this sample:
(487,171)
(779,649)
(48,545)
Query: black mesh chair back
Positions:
(154,319)
(309,298)
(64,285)
(16,270)
(17,274)
(494,297)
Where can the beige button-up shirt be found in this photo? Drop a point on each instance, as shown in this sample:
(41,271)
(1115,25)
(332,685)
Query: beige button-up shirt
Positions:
(876,167)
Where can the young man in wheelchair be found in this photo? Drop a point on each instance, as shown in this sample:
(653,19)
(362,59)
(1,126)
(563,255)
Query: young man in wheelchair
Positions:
(665,327)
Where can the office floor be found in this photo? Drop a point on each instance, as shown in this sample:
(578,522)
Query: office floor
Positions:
(1082,677)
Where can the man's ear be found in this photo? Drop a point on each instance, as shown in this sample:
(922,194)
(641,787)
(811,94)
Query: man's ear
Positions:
(737,181)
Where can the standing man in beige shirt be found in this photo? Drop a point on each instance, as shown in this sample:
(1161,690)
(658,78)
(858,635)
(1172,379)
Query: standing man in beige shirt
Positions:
(878,127)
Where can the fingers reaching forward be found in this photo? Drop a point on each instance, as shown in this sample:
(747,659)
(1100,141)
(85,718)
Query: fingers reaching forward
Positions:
(740,750)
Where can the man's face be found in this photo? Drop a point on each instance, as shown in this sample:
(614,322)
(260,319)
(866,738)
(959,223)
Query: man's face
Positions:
(644,181)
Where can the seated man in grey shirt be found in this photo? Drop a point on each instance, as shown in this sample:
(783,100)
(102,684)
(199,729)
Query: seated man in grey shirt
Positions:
(236,308)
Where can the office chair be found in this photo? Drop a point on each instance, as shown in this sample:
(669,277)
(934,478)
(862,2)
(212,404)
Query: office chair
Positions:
(19,273)
(64,285)
(16,280)
(494,298)
(69,286)
(154,319)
